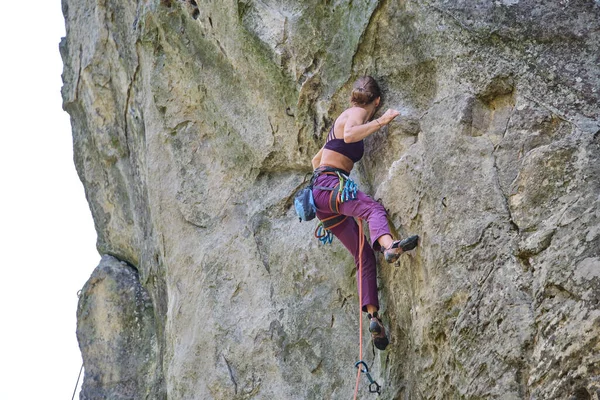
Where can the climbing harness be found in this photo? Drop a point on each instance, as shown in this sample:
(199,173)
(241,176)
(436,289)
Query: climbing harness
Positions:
(374,387)
(345,190)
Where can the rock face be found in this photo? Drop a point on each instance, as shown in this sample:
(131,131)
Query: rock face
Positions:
(194,123)
(116,326)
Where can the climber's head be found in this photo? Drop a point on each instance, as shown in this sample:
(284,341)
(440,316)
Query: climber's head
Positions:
(365,91)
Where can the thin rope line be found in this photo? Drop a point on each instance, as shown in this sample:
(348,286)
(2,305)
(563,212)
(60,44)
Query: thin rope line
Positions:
(76,384)
(361,243)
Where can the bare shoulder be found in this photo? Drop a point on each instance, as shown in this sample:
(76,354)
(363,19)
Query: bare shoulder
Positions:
(352,113)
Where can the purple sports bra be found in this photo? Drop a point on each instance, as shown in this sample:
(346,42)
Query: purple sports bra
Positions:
(353,151)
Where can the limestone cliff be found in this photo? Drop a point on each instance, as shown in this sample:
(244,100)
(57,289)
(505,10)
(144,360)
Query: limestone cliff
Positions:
(194,123)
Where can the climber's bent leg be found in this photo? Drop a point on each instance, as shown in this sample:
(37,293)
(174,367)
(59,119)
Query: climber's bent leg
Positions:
(374,213)
(367,209)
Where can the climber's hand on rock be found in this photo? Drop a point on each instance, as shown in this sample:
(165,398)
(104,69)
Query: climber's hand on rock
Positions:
(388,116)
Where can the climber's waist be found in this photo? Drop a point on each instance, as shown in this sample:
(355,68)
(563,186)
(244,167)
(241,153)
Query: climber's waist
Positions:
(327,170)
(341,189)
(337,182)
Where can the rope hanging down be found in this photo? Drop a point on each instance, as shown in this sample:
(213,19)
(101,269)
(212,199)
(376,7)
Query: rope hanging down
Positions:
(374,387)
(77,383)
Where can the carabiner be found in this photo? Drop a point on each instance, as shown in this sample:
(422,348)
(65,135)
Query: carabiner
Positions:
(374,387)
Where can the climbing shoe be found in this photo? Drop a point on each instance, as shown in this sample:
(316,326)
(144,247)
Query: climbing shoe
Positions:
(391,254)
(377,330)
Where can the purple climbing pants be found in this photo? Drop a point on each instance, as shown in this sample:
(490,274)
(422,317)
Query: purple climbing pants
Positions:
(367,209)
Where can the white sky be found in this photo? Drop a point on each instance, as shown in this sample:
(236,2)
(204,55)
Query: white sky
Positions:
(47,237)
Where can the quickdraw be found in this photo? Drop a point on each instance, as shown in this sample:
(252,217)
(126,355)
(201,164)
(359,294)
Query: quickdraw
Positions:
(348,189)
(374,387)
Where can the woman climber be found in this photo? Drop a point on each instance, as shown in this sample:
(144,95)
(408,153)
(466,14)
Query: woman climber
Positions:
(336,196)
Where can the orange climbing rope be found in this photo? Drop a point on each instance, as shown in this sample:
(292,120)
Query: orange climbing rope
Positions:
(374,387)
(361,242)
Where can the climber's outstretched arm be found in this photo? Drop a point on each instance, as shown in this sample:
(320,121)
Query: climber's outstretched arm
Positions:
(355,129)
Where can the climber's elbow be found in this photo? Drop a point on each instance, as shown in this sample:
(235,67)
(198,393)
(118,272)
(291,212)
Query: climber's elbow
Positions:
(350,137)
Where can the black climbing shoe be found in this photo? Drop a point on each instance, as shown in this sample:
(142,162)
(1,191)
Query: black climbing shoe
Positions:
(377,330)
(391,254)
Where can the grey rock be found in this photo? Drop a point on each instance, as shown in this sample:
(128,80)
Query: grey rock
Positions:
(194,124)
(116,327)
